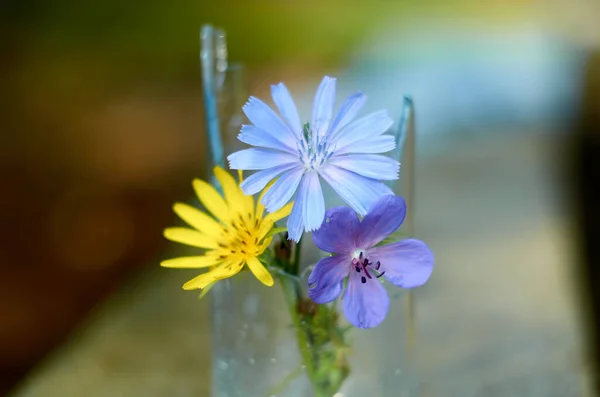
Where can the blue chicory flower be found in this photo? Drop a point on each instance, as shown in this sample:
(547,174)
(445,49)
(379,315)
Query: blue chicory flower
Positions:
(407,263)
(341,151)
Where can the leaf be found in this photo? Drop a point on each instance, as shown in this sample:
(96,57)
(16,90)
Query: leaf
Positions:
(392,238)
(206,289)
(283,273)
(286,381)
(276,230)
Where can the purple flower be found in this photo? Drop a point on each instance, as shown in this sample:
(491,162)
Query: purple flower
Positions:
(407,263)
(334,147)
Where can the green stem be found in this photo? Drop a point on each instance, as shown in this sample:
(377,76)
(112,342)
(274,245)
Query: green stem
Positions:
(296,261)
(285,382)
(292,294)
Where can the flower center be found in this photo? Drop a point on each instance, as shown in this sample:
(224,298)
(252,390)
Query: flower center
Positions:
(362,265)
(313,149)
(242,238)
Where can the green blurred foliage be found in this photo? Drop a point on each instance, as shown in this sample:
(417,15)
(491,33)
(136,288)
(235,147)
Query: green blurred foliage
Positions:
(125,42)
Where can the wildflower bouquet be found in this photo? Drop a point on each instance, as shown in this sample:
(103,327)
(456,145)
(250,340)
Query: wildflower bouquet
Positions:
(361,249)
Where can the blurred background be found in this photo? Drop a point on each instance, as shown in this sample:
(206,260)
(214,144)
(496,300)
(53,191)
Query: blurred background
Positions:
(103,128)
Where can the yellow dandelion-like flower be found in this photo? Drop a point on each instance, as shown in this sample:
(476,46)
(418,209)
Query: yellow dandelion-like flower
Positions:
(235,237)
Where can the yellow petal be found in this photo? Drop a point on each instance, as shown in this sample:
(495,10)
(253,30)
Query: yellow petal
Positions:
(259,271)
(260,208)
(236,200)
(190,237)
(265,226)
(249,200)
(201,281)
(198,219)
(230,188)
(269,221)
(191,262)
(217,274)
(281,213)
(211,199)
(206,289)
(263,246)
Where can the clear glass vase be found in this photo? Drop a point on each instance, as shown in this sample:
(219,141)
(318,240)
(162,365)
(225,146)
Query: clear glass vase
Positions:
(275,341)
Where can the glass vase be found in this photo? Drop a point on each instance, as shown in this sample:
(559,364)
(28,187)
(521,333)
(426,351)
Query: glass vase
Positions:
(274,341)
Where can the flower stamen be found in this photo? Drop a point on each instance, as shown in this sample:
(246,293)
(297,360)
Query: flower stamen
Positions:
(238,241)
(313,149)
(363,263)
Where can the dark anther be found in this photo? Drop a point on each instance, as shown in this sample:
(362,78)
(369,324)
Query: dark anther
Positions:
(380,274)
(243,251)
(222,256)
(377,265)
(244,242)
(363,279)
(222,245)
(358,269)
(364,266)
(232,251)
(360,256)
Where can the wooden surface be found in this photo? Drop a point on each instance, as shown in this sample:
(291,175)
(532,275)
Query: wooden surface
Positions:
(498,317)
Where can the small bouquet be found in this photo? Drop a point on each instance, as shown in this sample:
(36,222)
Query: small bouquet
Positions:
(291,160)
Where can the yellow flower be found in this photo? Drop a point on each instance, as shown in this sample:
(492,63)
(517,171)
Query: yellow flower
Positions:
(235,237)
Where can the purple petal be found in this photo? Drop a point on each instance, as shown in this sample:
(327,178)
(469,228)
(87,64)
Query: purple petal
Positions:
(295,221)
(287,108)
(407,263)
(257,181)
(252,135)
(366,127)
(373,166)
(365,304)
(283,189)
(323,106)
(338,231)
(262,116)
(356,190)
(384,217)
(378,144)
(259,159)
(325,281)
(314,205)
(347,112)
